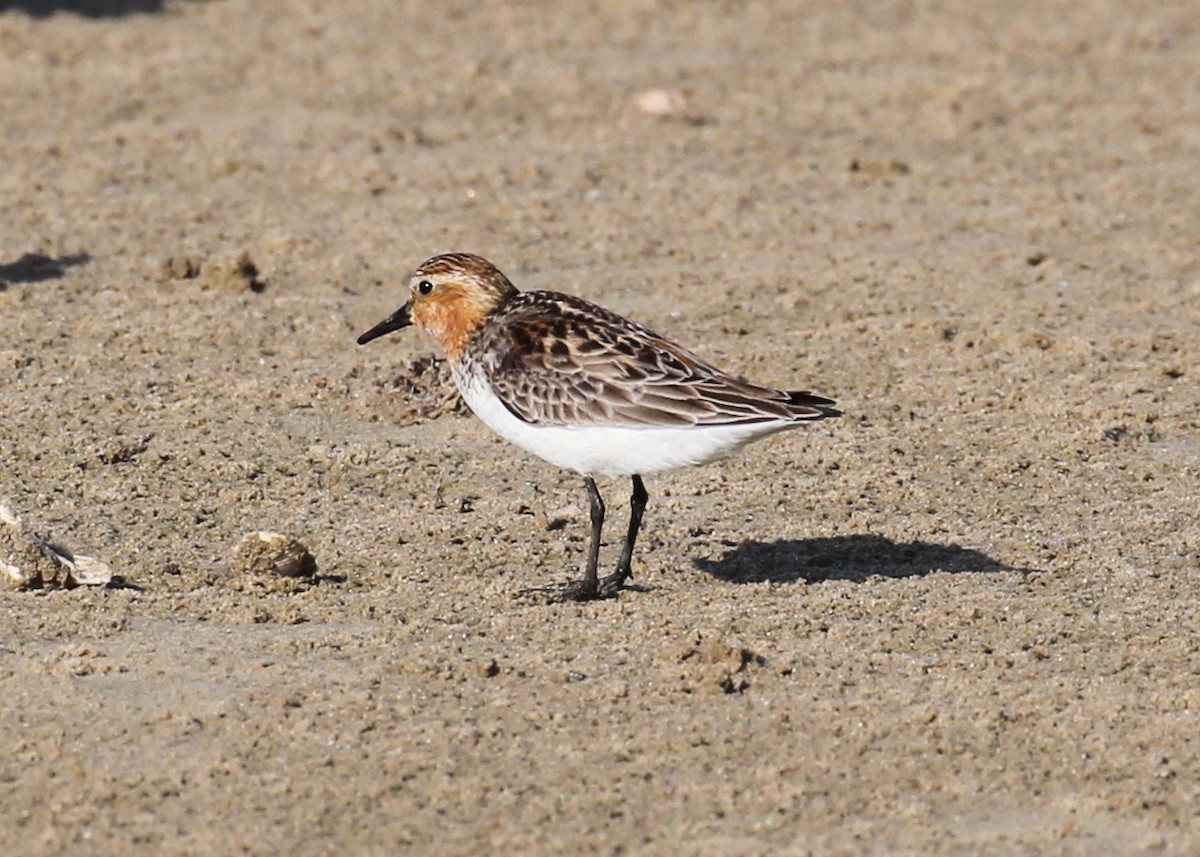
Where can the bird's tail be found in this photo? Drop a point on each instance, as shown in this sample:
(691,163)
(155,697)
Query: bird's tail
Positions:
(806,405)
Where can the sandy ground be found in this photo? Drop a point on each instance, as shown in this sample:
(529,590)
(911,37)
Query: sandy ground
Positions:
(961,620)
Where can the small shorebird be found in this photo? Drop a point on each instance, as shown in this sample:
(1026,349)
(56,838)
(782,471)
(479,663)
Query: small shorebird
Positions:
(586,389)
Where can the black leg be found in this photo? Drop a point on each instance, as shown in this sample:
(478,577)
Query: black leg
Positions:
(637,505)
(589,587)
(588,590)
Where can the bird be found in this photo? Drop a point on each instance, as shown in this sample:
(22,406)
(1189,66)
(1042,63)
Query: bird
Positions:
(587,390)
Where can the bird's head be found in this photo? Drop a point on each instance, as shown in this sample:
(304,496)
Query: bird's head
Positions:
(450,296)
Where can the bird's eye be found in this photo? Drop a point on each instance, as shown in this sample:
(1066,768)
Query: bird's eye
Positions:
(424,287)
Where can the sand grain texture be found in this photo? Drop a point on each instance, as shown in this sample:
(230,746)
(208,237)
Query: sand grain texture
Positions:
(961,620)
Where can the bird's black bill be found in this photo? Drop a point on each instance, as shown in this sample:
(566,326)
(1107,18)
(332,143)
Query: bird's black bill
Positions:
(400,318)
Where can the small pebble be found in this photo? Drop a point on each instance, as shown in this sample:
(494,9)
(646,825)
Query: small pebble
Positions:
(268,553)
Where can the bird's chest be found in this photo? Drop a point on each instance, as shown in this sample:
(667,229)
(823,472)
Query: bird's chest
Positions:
(477,392)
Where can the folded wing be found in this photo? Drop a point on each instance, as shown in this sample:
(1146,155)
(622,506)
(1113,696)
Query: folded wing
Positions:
(555,359)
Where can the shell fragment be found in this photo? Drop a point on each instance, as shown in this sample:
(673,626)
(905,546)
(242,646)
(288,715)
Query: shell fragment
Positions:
(29,561)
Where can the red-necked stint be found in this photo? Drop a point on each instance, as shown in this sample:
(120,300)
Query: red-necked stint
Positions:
(586,389)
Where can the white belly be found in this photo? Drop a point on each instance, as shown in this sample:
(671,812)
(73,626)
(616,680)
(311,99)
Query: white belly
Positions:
(613,450)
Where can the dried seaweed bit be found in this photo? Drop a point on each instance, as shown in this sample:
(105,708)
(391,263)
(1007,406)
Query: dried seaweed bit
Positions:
(422,373)
(30,561)
(428,387)
(233,273)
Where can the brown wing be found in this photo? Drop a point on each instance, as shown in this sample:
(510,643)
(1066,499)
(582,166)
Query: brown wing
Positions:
(555,359)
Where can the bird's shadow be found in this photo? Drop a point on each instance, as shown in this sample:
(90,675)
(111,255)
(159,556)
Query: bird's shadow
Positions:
(37,268)
(853,558)
(85,8)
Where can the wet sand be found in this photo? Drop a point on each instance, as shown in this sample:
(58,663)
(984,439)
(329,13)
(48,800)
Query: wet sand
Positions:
(962,619)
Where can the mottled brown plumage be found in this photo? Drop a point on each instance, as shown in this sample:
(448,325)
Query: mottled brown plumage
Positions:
(586,389)
(555,359)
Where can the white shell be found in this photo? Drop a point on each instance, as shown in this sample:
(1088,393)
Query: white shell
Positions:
(663,102)
(24,555)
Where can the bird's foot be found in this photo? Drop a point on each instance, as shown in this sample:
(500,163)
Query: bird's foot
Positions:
(572,590)
(578,590)
(609,586)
